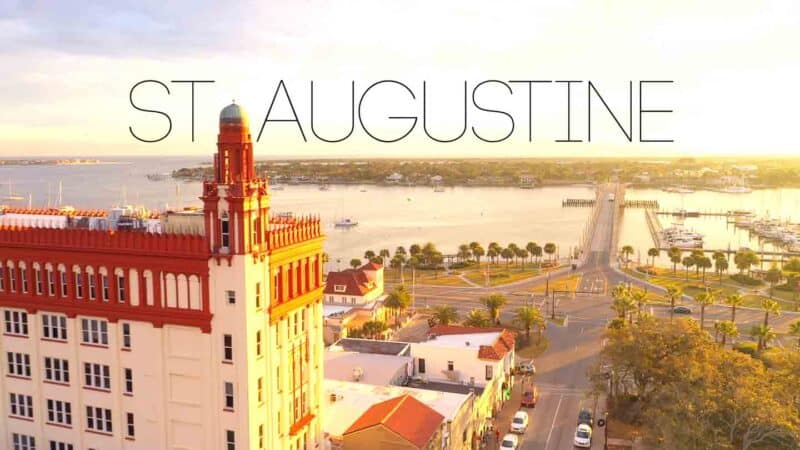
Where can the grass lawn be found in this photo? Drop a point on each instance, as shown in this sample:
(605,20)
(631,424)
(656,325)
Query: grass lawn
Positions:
(534,348)
(439,278)
(566,283)
(754,301)
(500,274)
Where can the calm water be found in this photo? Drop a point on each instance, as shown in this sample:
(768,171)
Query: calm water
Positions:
(387,216)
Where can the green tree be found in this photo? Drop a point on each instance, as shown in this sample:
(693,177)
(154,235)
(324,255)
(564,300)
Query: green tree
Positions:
(523,255)
(537,252)
(704,299)
(674,293)
(726,329)
(794,330)
(385,254)
(494,304)
(770,307)
(414,250)
(774,276)
(530,246)
(675,258)
(720,265)
(653,253)
(374,329)
(627,251)
(445,314)
(477,318)
(478,252)
(355,263)
(398,301)
(764,334)
(550,249)
(639,298)
(733,301)
(492,255)
(529,317)
(464,252)
(744,260)
(369,255)
(507,254)
(704,263)
(687,262)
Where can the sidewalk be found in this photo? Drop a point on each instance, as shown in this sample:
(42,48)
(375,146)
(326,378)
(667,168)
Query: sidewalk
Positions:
(503,420)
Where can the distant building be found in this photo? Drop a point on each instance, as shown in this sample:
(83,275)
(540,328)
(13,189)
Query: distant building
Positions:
(394,178)
(352,297)
(437,179)
(643,177)
(527,179)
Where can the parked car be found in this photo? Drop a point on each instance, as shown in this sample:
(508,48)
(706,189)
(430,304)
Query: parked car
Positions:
(520,422)
(585,417)
(509,442)
(682,310)
(530,395)
(583,436)
(526,368)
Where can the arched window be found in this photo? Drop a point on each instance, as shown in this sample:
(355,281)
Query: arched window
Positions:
(120,278)
(224,227)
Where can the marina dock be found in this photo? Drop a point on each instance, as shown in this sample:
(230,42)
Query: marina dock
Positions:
(655,227)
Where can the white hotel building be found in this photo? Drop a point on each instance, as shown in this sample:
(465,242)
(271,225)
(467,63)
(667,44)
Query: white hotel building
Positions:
(127,339)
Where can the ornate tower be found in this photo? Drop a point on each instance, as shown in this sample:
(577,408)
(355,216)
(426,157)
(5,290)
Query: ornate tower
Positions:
(236,202)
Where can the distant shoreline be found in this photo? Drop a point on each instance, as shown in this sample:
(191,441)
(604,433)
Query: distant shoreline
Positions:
(55,162)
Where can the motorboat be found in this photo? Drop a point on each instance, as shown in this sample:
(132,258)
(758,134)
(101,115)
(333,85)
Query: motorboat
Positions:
(345,222)
(736,190)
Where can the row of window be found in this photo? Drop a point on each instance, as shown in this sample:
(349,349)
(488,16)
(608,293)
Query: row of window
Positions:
(60,413)
(56,370)
(451,367)
(54,328)
(62,286)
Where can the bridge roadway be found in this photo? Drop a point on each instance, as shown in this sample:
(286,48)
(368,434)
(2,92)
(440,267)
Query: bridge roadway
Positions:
(561,370)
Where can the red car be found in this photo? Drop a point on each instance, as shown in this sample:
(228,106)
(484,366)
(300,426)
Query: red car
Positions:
(530,395)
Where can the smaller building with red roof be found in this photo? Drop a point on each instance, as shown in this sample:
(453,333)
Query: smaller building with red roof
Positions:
(400,423)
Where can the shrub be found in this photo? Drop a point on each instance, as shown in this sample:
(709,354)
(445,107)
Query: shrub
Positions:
(462,265)
(746,347)
(744,279)
(793,265)
(647,269)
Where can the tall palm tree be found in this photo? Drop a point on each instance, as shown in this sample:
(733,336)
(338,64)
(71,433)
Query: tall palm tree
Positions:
(733,301)
(674,293)
(494,304)
(687,261)
(627,251)
(622,300)
(770,307)
(764,334)
(704,299)
(550,249)
(507,254)
(639,298)
(674,254)
(477,318)
(491,254)
(726,329)
(373,329)
(653,253)
(774,276)
(400,250)
(529,317)
(368,255)
(384,253)
(720,265)
(704,263)
(537,252)
(529,247)
(523,255)
(445,314)
(794,330)
(477,252)
(464,252)
(717,255)
(355,263)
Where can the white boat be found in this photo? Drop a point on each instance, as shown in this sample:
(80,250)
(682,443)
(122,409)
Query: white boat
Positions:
(345,222)
(276,187)
(157,176)
(736,190)
(678,190)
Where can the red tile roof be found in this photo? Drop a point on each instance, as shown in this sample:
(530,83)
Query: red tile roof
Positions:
(355,282)
(503,344)
(406,416)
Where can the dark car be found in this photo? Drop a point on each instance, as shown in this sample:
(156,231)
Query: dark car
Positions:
(585,417)
(530,395)
(682,310)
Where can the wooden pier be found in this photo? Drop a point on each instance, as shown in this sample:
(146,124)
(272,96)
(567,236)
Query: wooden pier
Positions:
(646,204)
(578,202)
(655,227)
(684,213)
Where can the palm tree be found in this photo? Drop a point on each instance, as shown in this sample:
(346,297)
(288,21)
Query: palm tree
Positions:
(627,251)
(368,255)
(384,253)
(494,303)
(720,265)
(373,329)
(774,276)
(473,245)
(529,247)
(717,255)
(639,298)
(523,255)
(400,250)
(397,301)
(687,262)
(397,263)
(464,252)
(355,263)
(445,314)
(477,252)
(675,257)
(726,329)
(704,263)
(794,330)
(414,250)
(622,300)
(477,318)
(507,254)
(528,317)
(704,299)
(674,293)
(734,300)
(550,249)
(513,247)
(770,306)
(492,254)
(653,253)
(537,251)
(764,334)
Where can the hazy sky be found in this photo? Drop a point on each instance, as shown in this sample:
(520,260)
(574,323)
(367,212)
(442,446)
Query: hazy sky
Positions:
(67,68)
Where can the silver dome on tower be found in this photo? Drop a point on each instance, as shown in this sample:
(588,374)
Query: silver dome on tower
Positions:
(233,114)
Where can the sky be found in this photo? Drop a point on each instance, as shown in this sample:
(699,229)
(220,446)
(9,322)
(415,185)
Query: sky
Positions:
(68,68)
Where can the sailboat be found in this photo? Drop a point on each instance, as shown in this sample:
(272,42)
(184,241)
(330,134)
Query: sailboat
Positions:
(11,196)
